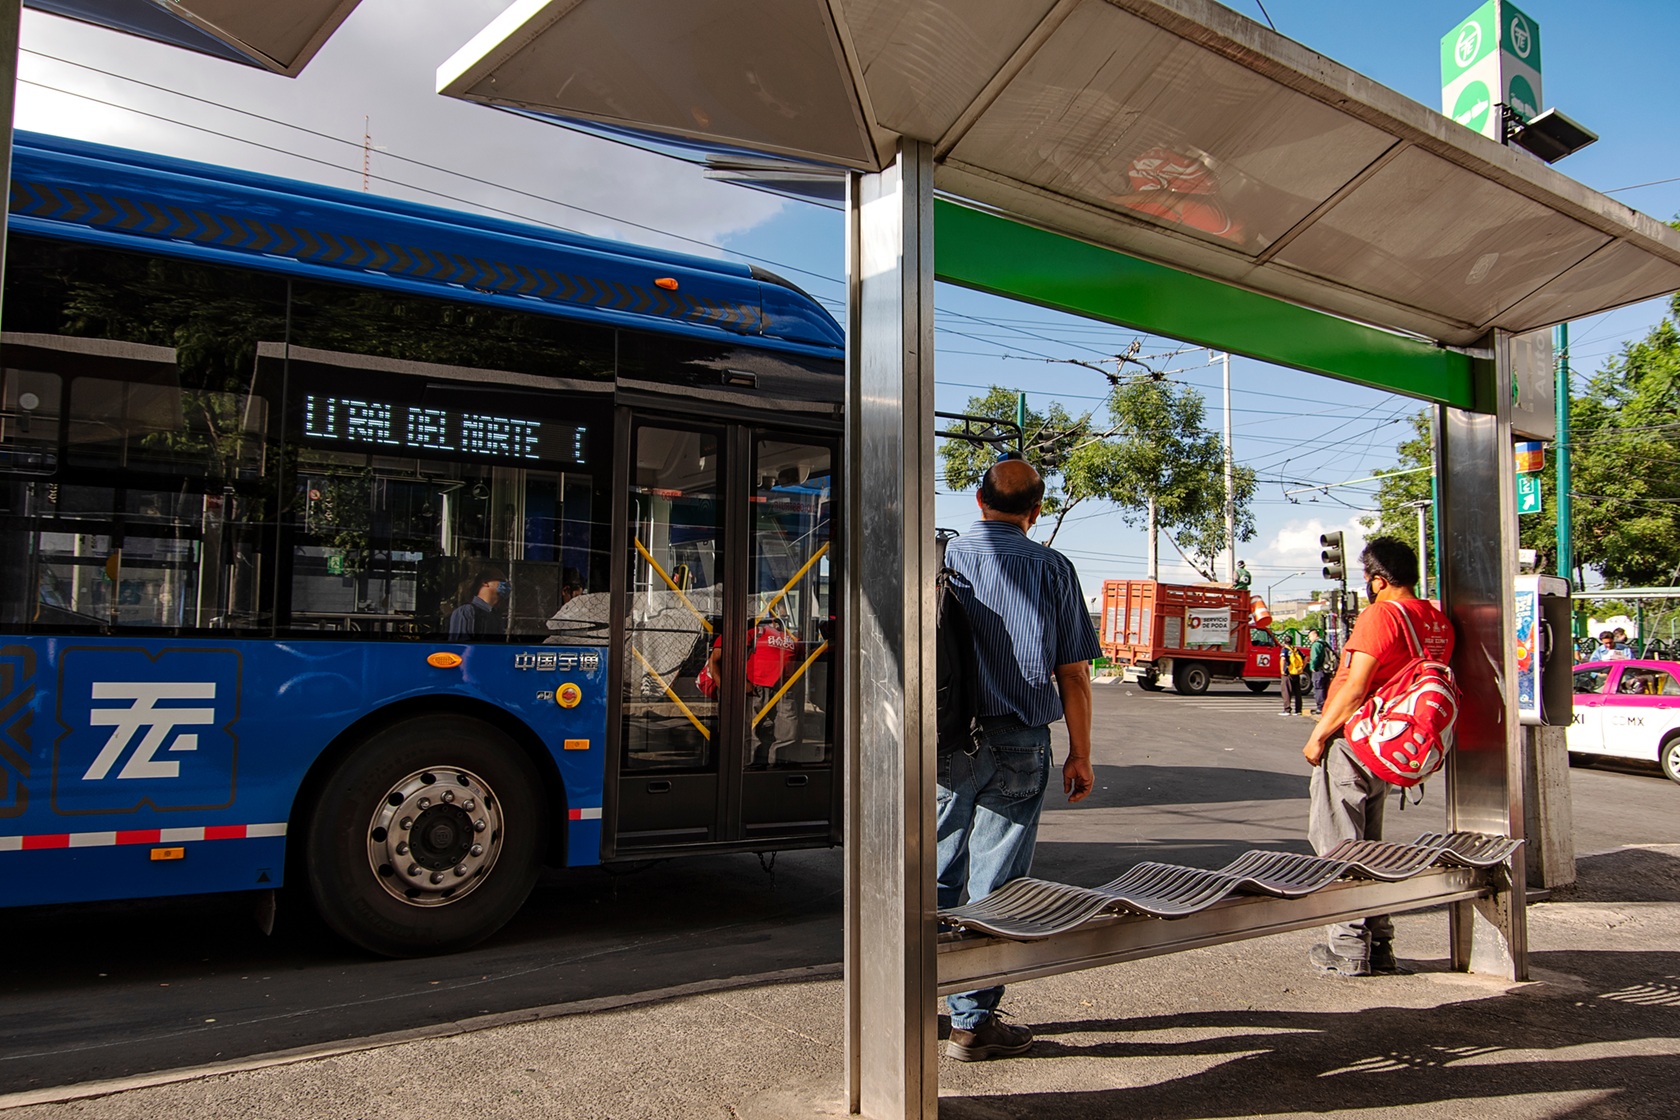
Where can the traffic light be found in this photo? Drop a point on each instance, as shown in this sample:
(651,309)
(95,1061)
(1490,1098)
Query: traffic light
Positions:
(1335,568)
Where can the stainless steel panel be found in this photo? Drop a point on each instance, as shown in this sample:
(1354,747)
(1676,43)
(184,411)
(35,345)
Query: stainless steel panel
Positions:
(1478,522)
(770,77)
(971,962)
(890,900)
(1618,274)
(281,36)
(1119,113)
(924,61)
(1424,232)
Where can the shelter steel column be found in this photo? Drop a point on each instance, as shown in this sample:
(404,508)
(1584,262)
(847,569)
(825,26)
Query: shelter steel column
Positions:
(891,1028)
(1477,549)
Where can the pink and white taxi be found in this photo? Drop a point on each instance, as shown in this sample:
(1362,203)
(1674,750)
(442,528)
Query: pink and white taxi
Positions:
(1628,709)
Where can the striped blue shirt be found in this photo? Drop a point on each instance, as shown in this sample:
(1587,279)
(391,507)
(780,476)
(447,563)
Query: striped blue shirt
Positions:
(1028,617)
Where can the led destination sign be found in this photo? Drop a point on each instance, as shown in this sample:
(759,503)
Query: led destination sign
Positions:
(404,427)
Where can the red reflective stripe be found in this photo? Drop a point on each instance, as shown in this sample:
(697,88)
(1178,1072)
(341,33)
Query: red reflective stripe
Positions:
(35,843)
(224,832)
(574,814)
(139,836)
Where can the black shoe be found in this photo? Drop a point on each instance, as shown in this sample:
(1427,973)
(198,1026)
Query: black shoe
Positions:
(993,1038)
(1383,962)
(1327,959)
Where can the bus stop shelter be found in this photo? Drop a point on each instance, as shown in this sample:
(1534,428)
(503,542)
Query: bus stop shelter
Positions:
(1164,164)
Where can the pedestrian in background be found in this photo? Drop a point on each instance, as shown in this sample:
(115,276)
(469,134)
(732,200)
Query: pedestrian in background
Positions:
(1292,663)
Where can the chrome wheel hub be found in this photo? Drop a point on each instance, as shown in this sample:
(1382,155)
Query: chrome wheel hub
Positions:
(435,836)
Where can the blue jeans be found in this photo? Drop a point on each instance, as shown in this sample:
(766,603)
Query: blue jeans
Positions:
(988,809)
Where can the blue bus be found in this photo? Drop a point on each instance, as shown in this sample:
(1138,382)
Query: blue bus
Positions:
(391,553)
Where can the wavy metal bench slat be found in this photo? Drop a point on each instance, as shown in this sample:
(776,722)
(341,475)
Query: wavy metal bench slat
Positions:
(1034,909)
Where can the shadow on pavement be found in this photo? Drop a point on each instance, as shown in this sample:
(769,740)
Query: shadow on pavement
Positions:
(1628,875)
(1145,784)
(1589,1033)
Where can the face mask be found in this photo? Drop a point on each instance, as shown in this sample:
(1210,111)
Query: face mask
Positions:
(1370,592)
(503,588)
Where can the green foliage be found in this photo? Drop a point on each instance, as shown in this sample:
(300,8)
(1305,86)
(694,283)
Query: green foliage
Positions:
(1625,470)
(1626,484)
(1158,460)
(1155,446)
(1050,437)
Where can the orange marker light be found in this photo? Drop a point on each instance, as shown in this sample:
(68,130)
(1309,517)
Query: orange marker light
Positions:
(442,660)
(666,282)
(161,854)
(577,744)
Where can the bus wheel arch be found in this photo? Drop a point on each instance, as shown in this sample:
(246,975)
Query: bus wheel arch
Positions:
(407,833)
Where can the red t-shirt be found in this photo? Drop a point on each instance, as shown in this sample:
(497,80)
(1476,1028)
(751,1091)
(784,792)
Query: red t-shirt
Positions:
(1380,633)
(773,653)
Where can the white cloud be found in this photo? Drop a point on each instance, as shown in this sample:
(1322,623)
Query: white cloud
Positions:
(381,64)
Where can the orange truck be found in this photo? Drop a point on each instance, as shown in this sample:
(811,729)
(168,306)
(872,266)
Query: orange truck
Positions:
(1190,634)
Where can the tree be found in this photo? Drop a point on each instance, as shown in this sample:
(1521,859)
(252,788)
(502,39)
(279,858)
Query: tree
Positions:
(1049,438)
(1165,472)
(1411,481)
(1626,469)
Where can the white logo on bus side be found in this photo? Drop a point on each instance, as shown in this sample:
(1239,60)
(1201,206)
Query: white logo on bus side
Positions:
(141,713)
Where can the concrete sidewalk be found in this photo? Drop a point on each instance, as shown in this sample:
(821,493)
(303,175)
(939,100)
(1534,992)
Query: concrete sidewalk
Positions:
(1239,1030)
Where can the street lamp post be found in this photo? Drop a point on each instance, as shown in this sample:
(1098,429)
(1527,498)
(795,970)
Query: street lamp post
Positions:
(1281,582)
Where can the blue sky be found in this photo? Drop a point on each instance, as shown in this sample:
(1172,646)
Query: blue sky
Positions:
(1608,65)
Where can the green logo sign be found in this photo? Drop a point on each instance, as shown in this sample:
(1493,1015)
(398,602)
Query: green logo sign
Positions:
(1473,105)
(1468,47)
(1521,98)
(1528,493)
(1522,37)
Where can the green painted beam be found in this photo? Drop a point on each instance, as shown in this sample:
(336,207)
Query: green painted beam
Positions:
(1004,257)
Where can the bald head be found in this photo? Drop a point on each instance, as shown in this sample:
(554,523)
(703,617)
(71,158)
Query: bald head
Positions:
(1011,489)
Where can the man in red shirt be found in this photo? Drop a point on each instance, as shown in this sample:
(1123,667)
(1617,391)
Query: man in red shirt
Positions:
(772,655)
(1347,799)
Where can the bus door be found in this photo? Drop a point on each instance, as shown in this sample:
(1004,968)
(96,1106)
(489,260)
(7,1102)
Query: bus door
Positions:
(726,735)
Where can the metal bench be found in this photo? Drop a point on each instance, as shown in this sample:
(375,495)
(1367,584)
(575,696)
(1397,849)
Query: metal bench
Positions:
(1030,927)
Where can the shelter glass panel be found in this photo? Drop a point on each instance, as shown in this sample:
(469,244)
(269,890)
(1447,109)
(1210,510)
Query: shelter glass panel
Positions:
(674,676)
(789,704)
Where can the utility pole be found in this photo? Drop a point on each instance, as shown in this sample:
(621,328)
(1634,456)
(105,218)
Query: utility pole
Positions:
(1230,485)
(1565,535)
(1423,552)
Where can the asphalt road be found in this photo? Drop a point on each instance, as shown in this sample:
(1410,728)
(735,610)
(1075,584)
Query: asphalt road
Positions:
(110,990)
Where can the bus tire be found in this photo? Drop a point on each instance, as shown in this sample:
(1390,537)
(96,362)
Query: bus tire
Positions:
(1258,686)
(427,837)
(1191,678)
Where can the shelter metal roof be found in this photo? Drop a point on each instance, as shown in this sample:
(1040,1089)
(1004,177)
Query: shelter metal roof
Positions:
(281,35)
(1172,130)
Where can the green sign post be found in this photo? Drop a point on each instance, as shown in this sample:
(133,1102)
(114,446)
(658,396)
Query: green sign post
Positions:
(1493,56)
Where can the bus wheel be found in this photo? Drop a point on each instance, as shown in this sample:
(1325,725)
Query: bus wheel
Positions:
(1258,686)
(1191,679)
(427,838)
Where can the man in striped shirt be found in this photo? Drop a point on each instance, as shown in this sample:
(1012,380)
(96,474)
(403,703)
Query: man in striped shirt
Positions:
(1033,642)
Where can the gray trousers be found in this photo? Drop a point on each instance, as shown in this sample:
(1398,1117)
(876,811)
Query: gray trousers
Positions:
(1347,804)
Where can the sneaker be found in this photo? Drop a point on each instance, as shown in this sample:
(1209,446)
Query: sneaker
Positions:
(1326,959)
(1285,713)
(993,1038)
(1384,962)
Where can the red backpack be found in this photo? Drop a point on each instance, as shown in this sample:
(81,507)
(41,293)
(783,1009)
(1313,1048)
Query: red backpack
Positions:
(1404,731)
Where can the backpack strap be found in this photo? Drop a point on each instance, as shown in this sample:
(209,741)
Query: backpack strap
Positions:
(1411,632)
